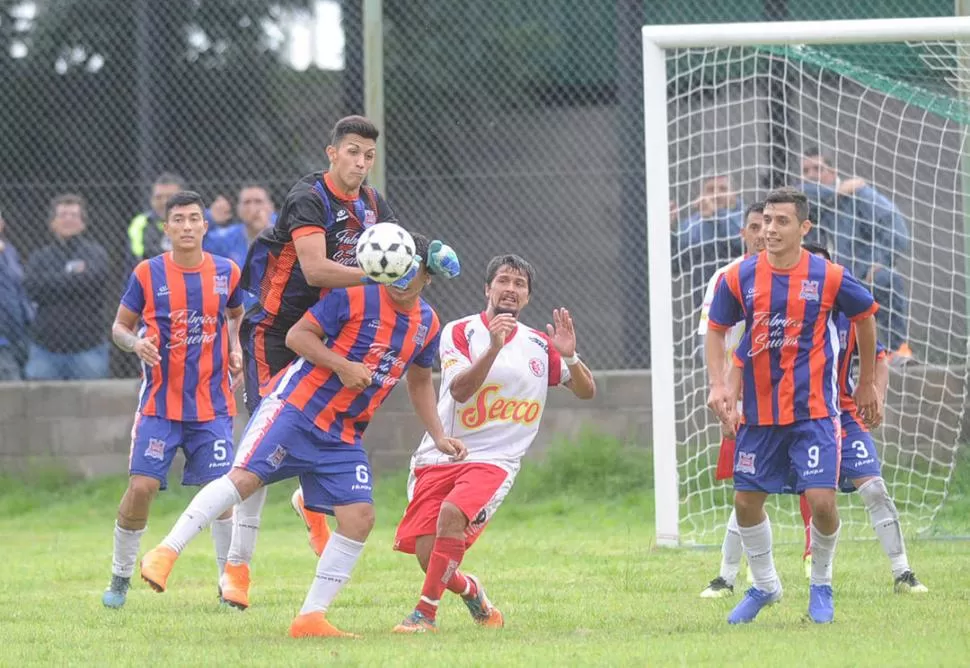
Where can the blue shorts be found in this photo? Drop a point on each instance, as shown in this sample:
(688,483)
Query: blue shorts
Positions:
(282,442)
(207,447)
(859,456)
(766,457)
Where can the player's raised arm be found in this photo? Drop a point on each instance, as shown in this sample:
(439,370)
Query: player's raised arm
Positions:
(562,335)
(320,272)
(467,382)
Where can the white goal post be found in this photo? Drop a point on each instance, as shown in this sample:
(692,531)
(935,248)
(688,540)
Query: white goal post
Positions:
(660,45)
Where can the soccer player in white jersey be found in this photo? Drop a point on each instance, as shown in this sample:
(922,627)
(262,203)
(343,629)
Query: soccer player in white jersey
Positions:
(754,242)
(495,375)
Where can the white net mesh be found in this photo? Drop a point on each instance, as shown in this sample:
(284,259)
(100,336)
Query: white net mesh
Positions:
(892,122)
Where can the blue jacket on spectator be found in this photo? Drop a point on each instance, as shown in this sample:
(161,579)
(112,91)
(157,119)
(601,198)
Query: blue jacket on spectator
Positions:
(15,308)
(229,241)
(701,246)
(862,229)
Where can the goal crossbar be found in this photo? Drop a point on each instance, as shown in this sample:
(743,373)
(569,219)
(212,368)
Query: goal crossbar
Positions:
(657,39)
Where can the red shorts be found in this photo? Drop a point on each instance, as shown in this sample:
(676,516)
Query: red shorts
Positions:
(725,460)
(477,489)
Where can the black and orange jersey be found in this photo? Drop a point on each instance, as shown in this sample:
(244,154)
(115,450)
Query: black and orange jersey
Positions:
(313,206)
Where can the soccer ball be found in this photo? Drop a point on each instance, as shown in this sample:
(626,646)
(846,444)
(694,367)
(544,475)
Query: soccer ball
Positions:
(385,252)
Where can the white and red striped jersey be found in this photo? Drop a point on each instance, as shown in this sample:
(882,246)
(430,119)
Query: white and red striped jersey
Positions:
(500,421)
(733,336)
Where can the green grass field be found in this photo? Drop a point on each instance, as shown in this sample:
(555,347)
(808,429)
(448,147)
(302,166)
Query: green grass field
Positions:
(569,561)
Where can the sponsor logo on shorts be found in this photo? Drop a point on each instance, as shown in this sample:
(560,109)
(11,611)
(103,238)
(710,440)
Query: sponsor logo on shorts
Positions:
(448,363)
(155,449)
(745,463)
(222,285)
(537,367)
(480,517)
(276,457)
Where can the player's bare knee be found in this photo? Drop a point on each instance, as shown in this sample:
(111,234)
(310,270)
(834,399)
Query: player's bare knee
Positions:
(825,512)
(355,521)
(451,520)
(750,507)
(246,482)
(142,489)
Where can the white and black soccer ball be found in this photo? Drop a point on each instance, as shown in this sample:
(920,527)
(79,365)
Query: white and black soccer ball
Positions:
(385,252)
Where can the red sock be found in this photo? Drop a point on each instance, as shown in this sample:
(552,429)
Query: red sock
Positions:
(462,585)
(445,558)
(807,519)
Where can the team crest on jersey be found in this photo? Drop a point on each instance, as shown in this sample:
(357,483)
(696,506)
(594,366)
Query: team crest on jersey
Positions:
(809,291)
(745,463)
(222,285)
(370,218)
(843,339)
(276,457)
(537,367)
(420,335)
(155,449)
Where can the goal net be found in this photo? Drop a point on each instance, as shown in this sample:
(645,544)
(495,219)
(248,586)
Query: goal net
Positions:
(874,129)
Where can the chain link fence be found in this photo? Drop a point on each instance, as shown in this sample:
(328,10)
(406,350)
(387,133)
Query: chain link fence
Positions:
(510,127)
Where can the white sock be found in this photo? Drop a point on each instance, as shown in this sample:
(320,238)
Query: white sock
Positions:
(885,520)
(126,546)
(212,500)
(245,527)
(221,537)
(757,547)
(333,570)
(731,550)
(823,554)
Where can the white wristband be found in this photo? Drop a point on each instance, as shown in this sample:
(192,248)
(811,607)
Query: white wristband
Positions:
(571,360)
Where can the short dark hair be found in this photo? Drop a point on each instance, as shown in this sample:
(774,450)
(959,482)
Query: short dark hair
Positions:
(813,151)
(169,179)
(789,195)
(69,199)
(184,198)
(816,249)
(754,207)
(353,125)
(421,244)
(513,262)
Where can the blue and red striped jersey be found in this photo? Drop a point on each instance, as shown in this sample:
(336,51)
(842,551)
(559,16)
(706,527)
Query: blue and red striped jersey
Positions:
(789,352)
(848,355)
(186,310)
(363,324)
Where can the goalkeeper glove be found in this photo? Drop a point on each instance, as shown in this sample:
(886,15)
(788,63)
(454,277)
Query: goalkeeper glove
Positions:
(442,260)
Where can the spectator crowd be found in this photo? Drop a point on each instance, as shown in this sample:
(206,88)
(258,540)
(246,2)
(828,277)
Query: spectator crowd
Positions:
(55,306)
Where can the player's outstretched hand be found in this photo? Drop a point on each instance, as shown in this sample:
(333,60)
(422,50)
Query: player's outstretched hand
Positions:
(355,376)
(562,333)
(452,446)
(499,328)
(870,408)
(147,350)
(235,368)
(403,282)
(443,260)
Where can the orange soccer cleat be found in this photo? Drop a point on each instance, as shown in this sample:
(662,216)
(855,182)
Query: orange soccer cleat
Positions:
(416,623)
(483,612)
(315,625)
(156,566)
(234,584)
(316,523)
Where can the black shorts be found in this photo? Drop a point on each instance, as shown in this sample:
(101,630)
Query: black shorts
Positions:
(264,355)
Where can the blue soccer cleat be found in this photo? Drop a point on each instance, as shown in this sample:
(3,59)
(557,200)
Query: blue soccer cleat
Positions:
(117,592)
(752,603)
(821,606)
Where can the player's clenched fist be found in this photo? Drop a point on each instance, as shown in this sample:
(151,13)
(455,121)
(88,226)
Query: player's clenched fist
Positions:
(499,328)
(452,446)
(235,368)
(147,350)
(355,376)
